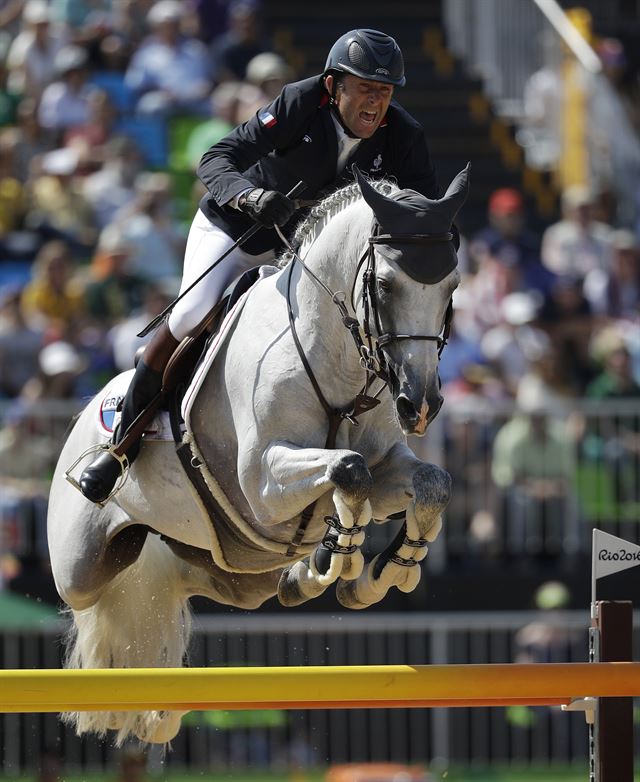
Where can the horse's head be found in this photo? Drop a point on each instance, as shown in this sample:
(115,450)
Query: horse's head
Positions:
(411,275)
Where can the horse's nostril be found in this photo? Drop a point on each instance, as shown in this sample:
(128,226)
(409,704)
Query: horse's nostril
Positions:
(405,408)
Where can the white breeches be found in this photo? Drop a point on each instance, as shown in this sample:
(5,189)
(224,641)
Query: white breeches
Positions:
(205,244)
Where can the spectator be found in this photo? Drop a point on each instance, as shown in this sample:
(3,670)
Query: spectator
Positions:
(497,276)
(90,139)
(233,51)
(616,293)
(20,345)
(86,23)
(31,142)
(511,345)
(124,336)
(578,243)
(548,378)
(211,18)
(13,202)
(224,103)
(27,454)
(156,241)
(59,210)
(52,296)
(112,187)
(463,349)
(507,237)
(567,318)
(171,73)
(9,96)
(32,55)
(533,463)
(60,365)
(615,439)
(11,12)
(66,103)
(114,292)
(267,73)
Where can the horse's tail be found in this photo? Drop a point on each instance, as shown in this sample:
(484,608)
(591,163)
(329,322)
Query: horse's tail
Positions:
(142,620)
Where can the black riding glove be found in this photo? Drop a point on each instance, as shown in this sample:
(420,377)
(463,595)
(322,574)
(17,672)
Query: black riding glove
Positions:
(267,207)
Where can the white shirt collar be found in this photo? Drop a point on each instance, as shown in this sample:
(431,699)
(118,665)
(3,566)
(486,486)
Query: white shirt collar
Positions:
(346,145)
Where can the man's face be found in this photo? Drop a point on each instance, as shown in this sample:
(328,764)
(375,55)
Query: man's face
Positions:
(362,103)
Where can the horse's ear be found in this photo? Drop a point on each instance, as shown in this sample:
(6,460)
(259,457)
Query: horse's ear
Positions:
(370,195)
(458,190)
(385,209)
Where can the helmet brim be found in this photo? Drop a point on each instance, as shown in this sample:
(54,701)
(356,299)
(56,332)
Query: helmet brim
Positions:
(341,68)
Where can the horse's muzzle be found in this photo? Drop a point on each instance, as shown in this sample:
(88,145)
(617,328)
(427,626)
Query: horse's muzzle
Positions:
(414,419)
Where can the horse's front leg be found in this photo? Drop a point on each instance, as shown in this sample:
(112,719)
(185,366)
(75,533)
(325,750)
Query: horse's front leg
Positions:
(292,479)
(401,481)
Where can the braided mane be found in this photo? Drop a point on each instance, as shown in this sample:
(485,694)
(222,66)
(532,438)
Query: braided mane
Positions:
(329,207)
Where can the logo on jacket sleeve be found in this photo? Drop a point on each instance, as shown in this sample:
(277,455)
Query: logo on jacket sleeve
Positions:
(377,164)
(267,119)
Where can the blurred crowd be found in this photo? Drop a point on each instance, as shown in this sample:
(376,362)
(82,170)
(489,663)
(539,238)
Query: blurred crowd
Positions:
(106,107)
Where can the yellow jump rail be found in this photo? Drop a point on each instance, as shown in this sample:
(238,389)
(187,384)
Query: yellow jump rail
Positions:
(314,687)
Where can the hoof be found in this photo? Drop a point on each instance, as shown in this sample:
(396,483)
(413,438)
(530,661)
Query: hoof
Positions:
(159,727)
(289,592)
(347,596)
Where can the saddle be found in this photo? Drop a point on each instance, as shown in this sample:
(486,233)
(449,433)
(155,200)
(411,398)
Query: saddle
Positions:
(185,360)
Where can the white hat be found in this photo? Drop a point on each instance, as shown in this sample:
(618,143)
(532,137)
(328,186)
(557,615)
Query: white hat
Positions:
(164,11)
(519,308)
(60,162)
(266,66)
(113,240)
(71,58)
(60,358)
(36,12)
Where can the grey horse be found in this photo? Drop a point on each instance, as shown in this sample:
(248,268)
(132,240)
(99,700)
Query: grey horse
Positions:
(345,336)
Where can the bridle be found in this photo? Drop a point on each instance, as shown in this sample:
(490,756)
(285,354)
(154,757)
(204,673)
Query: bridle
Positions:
(374,359)
(376,344)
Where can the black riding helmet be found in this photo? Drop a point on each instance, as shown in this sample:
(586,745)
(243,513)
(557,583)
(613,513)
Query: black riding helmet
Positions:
(368,54)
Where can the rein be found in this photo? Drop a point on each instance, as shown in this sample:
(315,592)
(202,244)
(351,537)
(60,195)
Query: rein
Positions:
(372,357)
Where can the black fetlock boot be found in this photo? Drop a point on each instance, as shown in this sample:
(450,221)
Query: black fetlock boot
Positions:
(99,478)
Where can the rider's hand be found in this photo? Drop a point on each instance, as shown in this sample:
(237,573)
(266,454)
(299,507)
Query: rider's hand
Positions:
(267,207)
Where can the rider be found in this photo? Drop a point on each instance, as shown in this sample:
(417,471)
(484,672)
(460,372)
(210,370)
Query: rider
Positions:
(313,131)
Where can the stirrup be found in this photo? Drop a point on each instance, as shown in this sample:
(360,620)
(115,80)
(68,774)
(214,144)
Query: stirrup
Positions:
(95,449)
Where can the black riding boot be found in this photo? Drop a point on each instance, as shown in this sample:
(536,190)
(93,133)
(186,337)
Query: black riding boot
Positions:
(99,478)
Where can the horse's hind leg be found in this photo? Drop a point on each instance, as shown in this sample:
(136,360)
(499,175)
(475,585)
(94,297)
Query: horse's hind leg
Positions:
(129,606)
(141,620)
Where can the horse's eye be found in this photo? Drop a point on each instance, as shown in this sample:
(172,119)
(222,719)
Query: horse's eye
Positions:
(384,286)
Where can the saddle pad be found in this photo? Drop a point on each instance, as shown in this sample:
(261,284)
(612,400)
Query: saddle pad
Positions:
(109,414)
(216,343)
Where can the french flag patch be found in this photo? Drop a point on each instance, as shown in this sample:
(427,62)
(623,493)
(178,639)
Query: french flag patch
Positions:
(267,119)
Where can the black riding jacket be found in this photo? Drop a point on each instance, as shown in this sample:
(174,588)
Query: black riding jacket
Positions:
(294,138)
